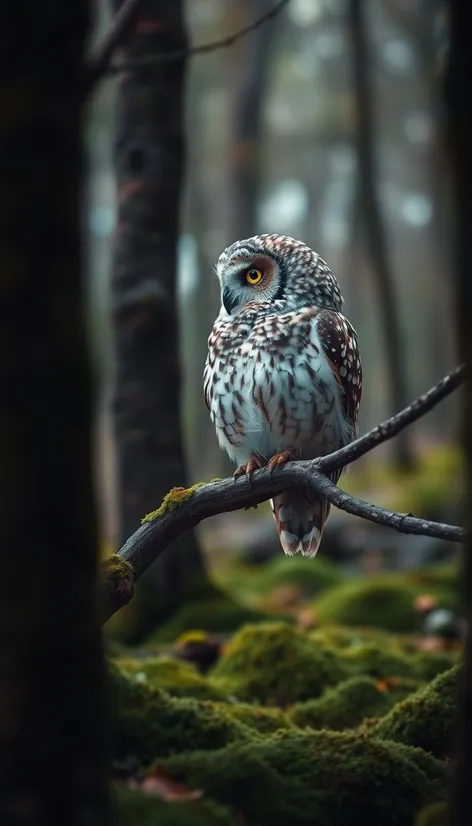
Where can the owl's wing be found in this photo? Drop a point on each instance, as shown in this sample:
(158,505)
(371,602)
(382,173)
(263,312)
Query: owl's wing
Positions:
(207,377)
(339,341)
(209,368)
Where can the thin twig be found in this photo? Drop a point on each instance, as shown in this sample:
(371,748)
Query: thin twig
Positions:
(203,48)
(99,63)
(401,522)
(156,534)
(390,428)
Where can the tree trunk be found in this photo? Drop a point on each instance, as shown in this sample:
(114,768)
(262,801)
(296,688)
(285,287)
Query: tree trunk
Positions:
(460,141)
(374,230)
(149,163)
(52,737)
(250,62)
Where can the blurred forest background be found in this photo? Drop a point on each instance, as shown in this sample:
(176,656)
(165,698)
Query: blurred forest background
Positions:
(331,131)
(236,685)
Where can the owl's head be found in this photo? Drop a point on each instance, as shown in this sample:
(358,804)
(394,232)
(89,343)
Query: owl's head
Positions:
(270,268)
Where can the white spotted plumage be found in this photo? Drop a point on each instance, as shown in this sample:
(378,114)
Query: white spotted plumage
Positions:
(283,371)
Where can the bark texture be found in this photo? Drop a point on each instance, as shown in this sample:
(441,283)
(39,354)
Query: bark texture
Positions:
(52,738)
(250,63)
(374,232)
(149,164)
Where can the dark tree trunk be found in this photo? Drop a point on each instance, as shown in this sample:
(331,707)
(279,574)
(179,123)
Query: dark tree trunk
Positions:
(373,228)
(460,141)
(149,163)
(52,739)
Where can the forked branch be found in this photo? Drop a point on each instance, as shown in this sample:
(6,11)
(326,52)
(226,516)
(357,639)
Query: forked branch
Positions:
(184,509)
(100,63)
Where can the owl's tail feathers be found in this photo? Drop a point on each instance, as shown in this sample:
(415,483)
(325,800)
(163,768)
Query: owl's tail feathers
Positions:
(300,522)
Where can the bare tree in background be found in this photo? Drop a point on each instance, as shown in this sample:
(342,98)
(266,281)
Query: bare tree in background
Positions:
(52,740)
(149,162)
(250,63)
(373,228)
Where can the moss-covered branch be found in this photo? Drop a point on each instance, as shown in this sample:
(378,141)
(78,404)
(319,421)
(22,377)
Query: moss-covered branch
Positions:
(183,509)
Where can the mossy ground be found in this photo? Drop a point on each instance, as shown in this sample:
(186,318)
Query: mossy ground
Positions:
(383,600)
(277,664)
(177,678)
(425,718)
(222,614)
(343,707)
(132,807)
(291,725)
(263,585)
(303,778)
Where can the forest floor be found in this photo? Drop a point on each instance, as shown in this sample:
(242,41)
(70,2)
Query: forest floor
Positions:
(332,694)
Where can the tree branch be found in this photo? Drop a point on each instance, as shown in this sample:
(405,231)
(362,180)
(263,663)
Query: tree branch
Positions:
(401,522)
(390,428)
(184,509)
(203,48)
(98,63)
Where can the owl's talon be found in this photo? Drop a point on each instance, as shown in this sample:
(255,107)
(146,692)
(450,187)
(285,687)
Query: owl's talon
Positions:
(256,462)
(280,459)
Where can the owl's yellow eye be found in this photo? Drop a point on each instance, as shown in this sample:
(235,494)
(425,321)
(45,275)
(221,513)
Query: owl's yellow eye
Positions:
(253,276)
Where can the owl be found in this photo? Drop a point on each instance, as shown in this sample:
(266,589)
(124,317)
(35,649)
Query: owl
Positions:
(283,376)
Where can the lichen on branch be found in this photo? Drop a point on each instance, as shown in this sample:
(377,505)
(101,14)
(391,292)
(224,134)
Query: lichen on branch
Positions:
(174,499)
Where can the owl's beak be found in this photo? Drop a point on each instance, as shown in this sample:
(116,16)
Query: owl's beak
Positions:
(228,300)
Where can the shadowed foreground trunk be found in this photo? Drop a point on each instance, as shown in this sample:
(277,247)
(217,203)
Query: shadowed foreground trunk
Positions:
(52,743)
(460,141)
(149,164)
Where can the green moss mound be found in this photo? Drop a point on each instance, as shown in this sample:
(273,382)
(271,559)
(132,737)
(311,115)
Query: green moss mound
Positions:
(345,637)
(322,778)
(375,661)
(445,575)
(260,719)
(222,615)
(177,678)
(437,814)
(147,723)
(380,600)
(134,808)
(426,718)
(343,707)
(276,664)
(311,575)
(429,664)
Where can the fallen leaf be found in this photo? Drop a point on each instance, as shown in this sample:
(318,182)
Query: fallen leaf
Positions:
(305,619)
(160,784)
(431,644)
(425,602)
